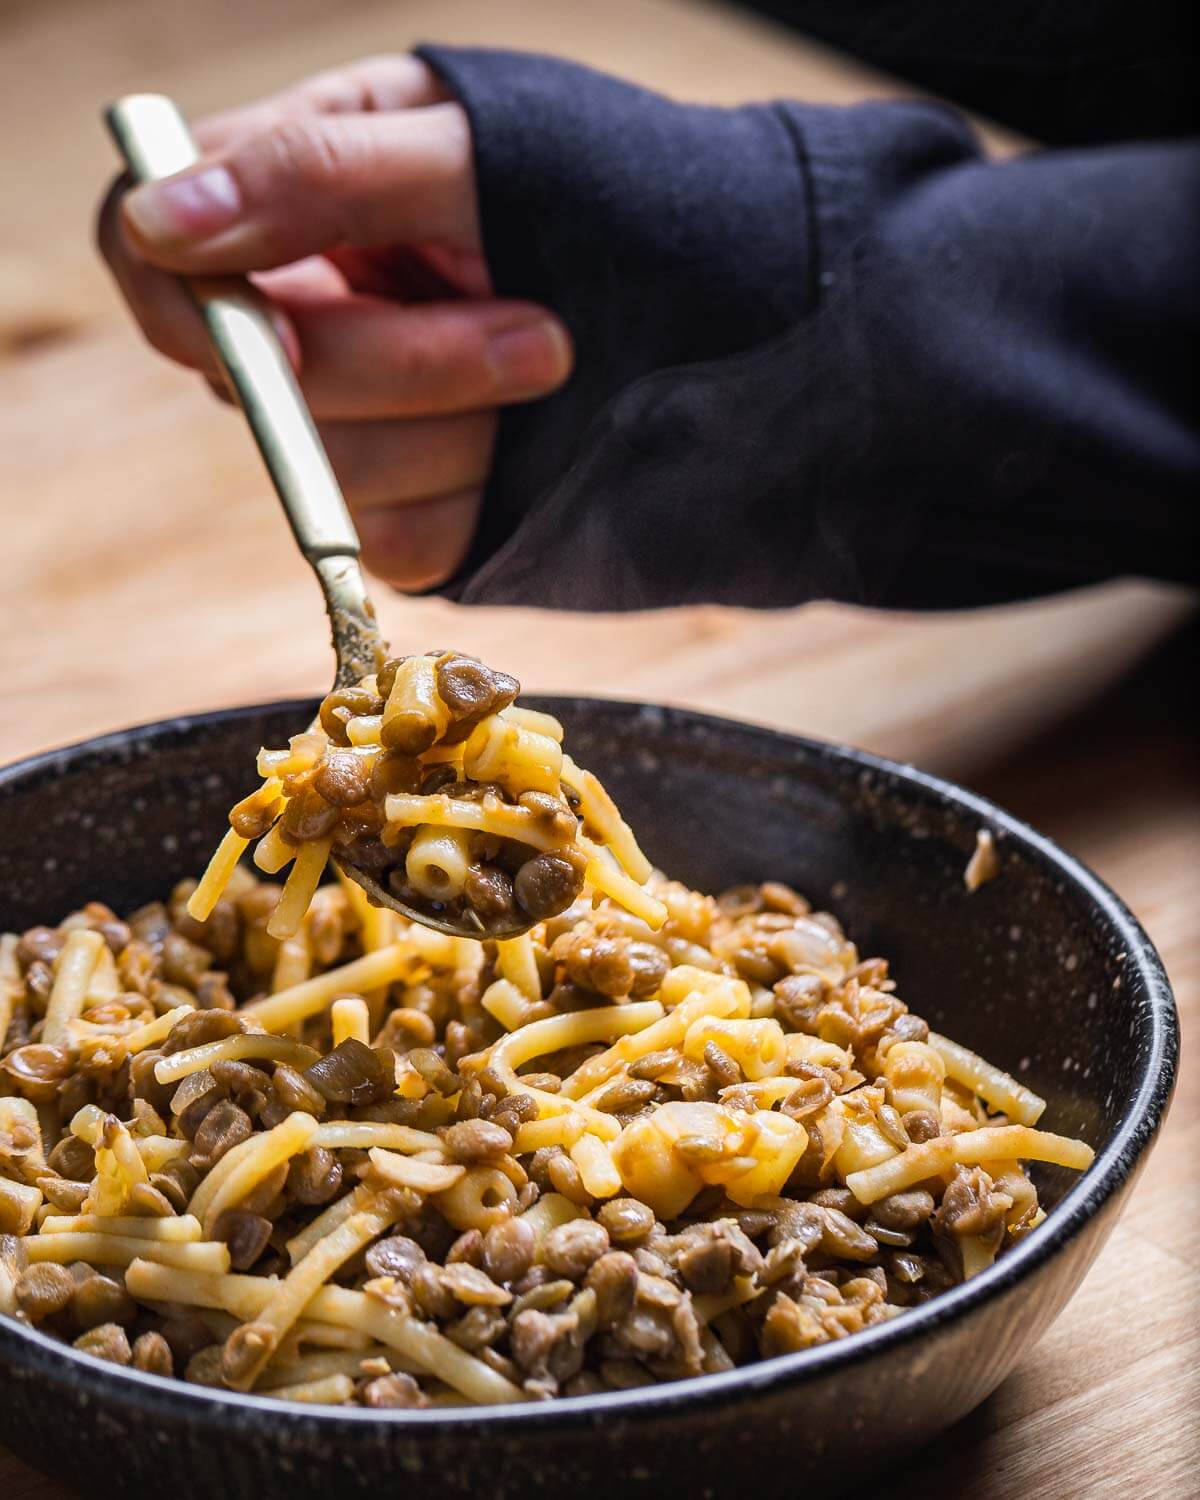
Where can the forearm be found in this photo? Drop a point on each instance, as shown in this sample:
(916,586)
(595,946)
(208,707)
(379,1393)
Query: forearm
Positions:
(828,352)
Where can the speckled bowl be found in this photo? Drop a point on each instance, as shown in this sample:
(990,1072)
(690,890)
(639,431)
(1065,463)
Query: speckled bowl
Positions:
(1043,970)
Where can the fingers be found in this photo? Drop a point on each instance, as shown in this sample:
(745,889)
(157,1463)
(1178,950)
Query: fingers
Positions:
(415,489)
(164,311)
(369,85)
(310,184)
(383,463)
(420,545)
(364,358)
(162,305)
(427,273)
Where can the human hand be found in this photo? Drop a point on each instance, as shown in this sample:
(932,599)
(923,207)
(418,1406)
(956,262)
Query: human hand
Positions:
(351,201)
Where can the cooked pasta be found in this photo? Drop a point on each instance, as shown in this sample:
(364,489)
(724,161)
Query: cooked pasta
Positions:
(425,781)
(361,1162)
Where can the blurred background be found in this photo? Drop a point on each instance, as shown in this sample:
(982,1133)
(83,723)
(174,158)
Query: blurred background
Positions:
(149,571)
(156,571)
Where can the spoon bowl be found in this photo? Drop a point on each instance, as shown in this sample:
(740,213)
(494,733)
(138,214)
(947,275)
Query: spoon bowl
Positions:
(463,928)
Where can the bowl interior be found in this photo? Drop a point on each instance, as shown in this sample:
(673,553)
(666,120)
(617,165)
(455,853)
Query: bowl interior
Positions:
(1041,970)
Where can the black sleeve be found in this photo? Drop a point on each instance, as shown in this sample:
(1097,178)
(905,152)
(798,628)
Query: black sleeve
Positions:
(1069,73)
(829,352)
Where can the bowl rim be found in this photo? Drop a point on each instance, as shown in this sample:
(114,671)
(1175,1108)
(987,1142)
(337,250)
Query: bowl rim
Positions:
(1115,1163)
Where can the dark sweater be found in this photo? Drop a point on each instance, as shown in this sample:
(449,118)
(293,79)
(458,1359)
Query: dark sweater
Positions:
(829,352)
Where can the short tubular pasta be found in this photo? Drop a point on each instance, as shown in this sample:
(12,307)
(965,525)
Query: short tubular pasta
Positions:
(251,1045)
(437,862)
(19,1203)
(412,1172)
(482,1197)
(414,716)
(293,963)
(283,1371)
(325,1390)
(506,1003)
(532,719)
(216,876)
(123,1250)
(516,961)
(611,881)
(758,1047)
(249,1347)
(78,959)
(549,1212)
(273,853)
(12,988)
(325,1223)
(178,1228)
(1003,1143)
(315,995)
(350,1020)
(604,821)
(300,887)
(258,1156)
(155,1031)
(596,1166)
(363,1135)
(518,758)
(996,1088)
(485,816)
(157,1151)
(915,1072)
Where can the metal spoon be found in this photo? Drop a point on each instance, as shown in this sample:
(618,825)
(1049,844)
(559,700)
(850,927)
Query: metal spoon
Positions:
(153,137)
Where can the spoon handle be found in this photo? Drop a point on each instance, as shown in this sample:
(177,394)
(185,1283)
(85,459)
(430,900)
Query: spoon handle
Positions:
(153,137)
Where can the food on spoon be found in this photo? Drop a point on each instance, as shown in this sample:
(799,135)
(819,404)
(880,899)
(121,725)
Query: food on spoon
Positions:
(428,780)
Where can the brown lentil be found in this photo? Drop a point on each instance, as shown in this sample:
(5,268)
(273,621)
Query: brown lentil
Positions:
(152,1354)
(108,1341)
(43,1290)
(548,883)
(98,1299)
(397,1390)
(571,1248)
(314,1176)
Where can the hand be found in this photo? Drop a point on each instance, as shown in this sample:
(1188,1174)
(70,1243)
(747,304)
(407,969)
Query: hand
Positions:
(351,199)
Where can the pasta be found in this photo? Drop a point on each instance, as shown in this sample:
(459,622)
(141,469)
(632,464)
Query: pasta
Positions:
(249,1347)
(426,781)
(380,1165)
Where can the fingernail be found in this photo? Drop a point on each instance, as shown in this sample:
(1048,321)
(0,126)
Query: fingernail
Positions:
(192,206)
(530,356)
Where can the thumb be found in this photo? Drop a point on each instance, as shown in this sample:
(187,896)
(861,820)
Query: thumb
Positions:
(310,184)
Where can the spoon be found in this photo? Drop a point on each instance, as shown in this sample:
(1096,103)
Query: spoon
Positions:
(153,137)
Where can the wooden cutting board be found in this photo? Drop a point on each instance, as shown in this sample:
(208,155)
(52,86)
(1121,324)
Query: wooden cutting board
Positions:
(148,571)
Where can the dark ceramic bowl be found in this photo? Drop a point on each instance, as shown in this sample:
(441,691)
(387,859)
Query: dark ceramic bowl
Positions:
(1042,970)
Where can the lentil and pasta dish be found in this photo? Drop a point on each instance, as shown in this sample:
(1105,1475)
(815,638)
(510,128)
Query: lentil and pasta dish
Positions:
(427,782)
(342,1158)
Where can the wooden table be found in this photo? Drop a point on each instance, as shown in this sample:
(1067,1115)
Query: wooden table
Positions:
(148,571)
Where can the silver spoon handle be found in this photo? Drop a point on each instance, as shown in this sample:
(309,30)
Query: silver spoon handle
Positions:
(153,137)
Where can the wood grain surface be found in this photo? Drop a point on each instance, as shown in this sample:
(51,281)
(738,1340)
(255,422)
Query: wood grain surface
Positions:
(148,571)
